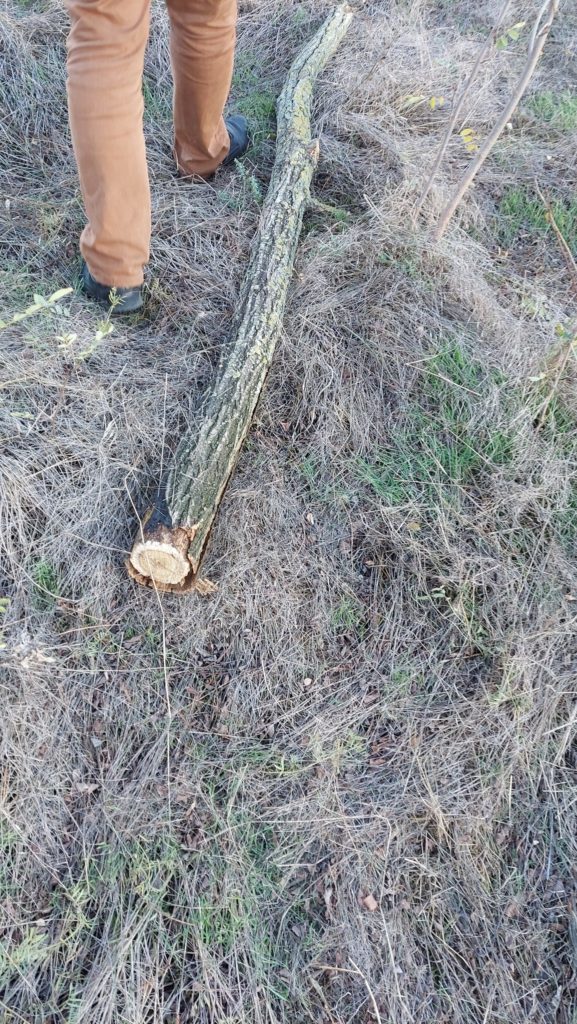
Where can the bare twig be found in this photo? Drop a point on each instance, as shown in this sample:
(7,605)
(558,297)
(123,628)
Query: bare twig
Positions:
(357,971)
(372,998)
(489,41)
(539,35)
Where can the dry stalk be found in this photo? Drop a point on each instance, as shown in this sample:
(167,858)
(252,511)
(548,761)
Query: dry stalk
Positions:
(488,43)
(538,38)
(565,249)
(568,350)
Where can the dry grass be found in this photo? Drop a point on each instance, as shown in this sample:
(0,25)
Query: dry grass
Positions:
(343,789)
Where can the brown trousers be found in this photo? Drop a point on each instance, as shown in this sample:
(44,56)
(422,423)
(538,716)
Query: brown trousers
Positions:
(105,63)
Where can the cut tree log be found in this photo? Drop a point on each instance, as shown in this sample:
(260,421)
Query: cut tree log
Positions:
(173,535)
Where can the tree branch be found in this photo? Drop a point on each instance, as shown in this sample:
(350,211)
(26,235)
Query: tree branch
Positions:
(172,540)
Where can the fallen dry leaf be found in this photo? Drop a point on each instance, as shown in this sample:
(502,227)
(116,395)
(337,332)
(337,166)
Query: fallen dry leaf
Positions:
(369,903)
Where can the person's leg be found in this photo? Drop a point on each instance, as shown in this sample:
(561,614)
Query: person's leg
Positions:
(105,62)
(202,39)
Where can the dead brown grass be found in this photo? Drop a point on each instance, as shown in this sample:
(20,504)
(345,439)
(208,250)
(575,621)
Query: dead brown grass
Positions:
(342,789)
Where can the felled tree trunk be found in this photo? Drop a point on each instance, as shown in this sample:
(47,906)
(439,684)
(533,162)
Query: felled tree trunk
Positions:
(169,549)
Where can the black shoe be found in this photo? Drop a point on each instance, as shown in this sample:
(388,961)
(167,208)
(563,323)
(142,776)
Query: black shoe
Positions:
(237,127)
(118,300)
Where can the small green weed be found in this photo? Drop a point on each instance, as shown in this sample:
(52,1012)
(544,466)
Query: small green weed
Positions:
(300,17)
(547,400)
(31,951)
(347,615)
(323,486)
(349,750)
(101,641)
(50,222)
(251,183)
(269,761)
(448,444)
(230,200)
(39,305)
(404,678)
(220,921)
(387,476)
(509,690)
(229,909)
(338,214)
(153,638)
(510,35)
(46,586)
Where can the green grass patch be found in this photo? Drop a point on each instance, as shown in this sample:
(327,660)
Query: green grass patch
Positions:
(406,262)
(558,109)
(157,102)
(444,442)
(522,212)
(253,96)
(37,6)
(260,109)
(324,486)
(146,884)
(348,615)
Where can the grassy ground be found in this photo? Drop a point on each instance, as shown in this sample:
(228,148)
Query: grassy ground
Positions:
(342,790)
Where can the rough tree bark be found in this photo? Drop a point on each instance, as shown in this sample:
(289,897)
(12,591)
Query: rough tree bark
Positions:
(173,535)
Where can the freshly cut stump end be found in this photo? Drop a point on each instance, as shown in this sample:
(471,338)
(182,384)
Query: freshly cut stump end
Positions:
(160,558)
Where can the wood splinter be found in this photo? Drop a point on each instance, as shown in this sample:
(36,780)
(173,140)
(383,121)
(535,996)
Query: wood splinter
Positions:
(173,536)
